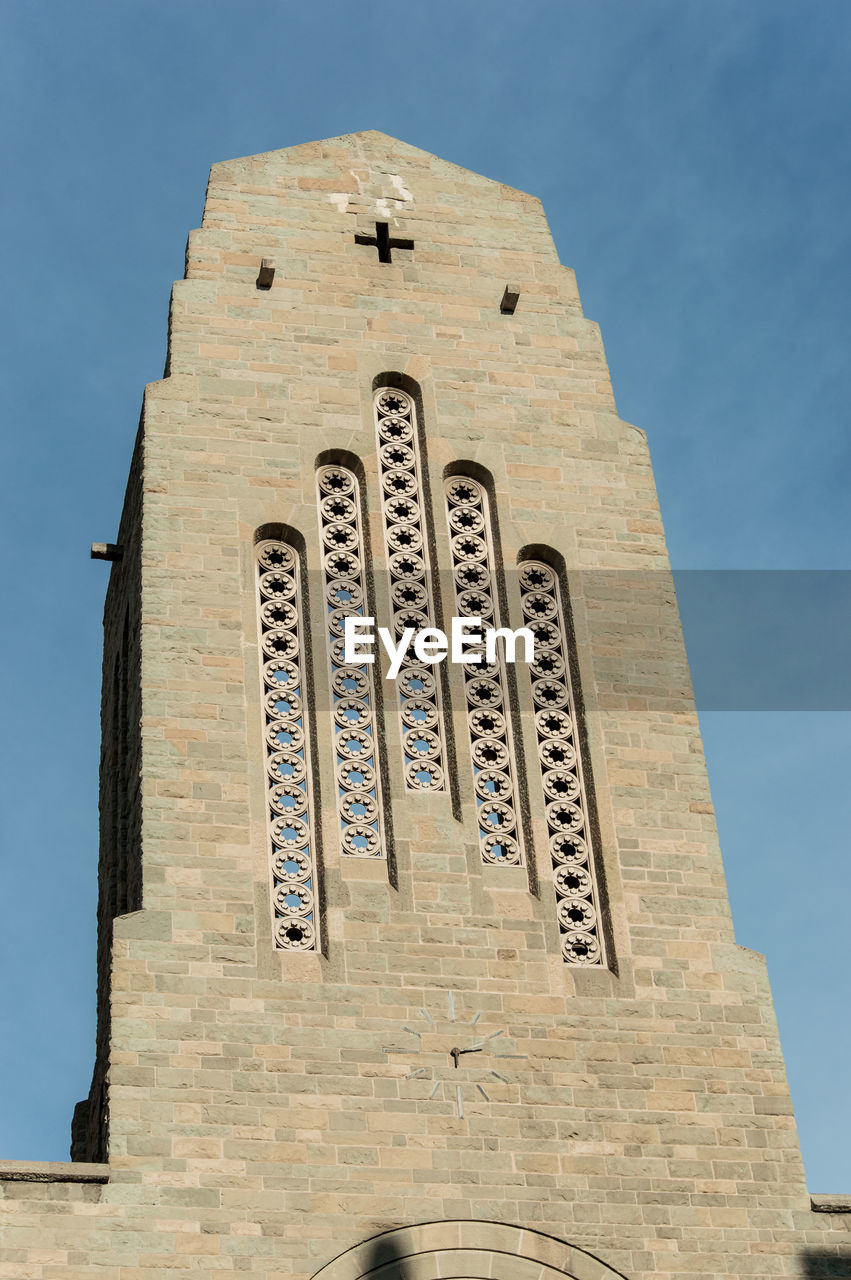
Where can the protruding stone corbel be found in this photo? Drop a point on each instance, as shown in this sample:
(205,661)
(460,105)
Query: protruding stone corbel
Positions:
(107,551)
(266,274)
(509,301)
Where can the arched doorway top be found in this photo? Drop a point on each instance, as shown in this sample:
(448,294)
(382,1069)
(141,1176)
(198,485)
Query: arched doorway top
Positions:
(462,1249)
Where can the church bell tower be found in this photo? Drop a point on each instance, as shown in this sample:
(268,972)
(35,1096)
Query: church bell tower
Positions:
(410,966)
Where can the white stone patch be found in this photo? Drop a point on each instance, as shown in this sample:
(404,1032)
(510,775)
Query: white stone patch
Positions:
(404,193)
(384,206)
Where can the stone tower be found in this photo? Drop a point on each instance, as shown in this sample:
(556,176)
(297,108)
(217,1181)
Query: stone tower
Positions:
(421,977)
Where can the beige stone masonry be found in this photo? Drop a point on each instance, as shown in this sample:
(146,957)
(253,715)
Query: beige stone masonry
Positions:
(267,1114)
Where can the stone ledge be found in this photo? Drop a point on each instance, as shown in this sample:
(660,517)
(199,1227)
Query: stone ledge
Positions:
(52,1171)
(830,1204)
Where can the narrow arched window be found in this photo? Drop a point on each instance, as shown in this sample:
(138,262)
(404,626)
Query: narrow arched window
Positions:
(485,683)
(290,819)
(353,701)
(563,773)
(403,513)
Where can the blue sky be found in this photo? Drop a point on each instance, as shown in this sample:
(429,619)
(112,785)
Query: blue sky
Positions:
(693,161)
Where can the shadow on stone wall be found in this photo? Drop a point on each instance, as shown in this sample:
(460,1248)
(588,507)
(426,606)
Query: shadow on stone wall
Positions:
(384,1260)
(818,1265)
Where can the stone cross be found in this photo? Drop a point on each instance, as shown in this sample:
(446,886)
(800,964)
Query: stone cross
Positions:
(384,242)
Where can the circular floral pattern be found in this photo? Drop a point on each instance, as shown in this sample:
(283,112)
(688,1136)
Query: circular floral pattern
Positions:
(419,713)
(404,532)
(293,899)
(490,753)
(286,766)
(355,775)
(352,713)
(288,799)
(500,850)
(484,683)
(288,793)
(561,770)
(282,701)
(337,507)
(349,682)
(277,586)
(276,556)
(418,682)
(360,839)
(285,733)
(290,833)
(353,697)
(572,880)
(424,775)
(409,595)
(358,807)
(280,643)
(291,865)
(295,934)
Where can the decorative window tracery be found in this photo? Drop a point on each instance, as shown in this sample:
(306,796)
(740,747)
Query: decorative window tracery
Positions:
(577,897)
(352,691)
(289,808)
(420,708)
(485,684)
